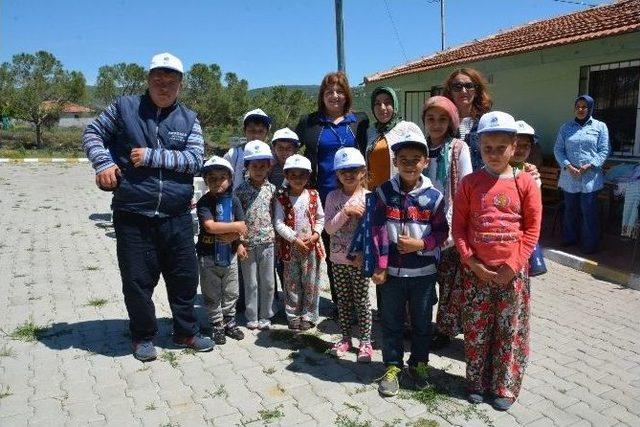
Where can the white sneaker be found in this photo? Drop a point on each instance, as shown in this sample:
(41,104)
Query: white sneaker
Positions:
(264,324)
(253,324)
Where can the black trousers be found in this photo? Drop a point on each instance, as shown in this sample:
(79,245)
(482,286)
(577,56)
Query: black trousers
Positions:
(327,249)
(147,247)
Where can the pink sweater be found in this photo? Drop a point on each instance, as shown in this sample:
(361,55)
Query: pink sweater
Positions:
(339,226)
(490,222)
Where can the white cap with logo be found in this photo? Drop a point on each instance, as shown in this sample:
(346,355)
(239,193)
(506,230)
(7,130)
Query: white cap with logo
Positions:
(348,157)
(216,162)
(285,134)
(258,115)
(168,61)
(411,137)
(523,128)
(297,161)
(257,150)
(497,121)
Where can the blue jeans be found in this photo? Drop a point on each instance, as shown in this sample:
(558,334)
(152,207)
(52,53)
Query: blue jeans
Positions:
(396,292)
(581,208)
(147,247)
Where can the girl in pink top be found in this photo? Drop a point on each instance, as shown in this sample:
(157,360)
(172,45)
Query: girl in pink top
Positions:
(496,223)
(343,210)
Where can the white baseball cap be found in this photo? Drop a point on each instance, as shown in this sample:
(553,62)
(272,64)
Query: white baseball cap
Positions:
(413,136)
(168,61)
(257,150)
(348,157)
(216,162)
(525,128)
(497,121)
(258,115)
(297,161)
(285,134)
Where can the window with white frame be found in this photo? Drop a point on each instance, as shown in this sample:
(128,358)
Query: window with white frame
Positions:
(615,88)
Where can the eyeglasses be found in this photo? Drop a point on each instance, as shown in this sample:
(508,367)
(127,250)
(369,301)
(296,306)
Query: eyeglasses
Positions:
(457,87)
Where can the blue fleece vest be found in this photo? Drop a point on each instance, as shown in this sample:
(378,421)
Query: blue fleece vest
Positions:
(151,191)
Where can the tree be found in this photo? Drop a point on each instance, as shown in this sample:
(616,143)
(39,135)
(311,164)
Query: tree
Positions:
(38,88)
(76,88)
(285,105)
(119,80)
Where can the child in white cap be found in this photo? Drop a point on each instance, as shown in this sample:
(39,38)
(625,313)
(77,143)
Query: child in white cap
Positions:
(299,220)
(526,139)
(285,143)
(344,208)
(496,224)
(255,126)
(219,283)
(256,196)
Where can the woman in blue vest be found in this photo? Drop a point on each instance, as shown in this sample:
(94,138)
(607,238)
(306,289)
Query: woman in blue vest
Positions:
(582,147)
(324,132)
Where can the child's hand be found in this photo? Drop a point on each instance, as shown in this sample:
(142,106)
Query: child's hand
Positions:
(241,228)
(228,237)
(242,252)
(354,210)
(407,244)
(301,245)
(357,261)
(379,276)
(504,275)
(532,170)
(481,271)
(310,243)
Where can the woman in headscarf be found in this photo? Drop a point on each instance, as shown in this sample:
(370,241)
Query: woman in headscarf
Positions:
(582,147)
(387,130)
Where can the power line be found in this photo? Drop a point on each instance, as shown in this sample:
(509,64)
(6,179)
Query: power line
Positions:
(395,30)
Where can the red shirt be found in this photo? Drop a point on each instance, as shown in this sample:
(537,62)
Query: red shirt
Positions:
(494,223)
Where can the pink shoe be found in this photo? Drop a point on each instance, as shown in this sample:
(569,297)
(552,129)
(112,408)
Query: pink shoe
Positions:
(341,348)
(365,352)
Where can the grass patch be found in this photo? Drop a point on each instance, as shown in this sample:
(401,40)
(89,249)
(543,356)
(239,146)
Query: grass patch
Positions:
(28,332)
(97,302)
(423,422)
(5,391)
(346,421)
(91,268)
(150,407)
(361,389)
(220,391)
(392,423)
(170,357)
(189,351)
(7,351)
(269,371)
(271,415)
(354,408)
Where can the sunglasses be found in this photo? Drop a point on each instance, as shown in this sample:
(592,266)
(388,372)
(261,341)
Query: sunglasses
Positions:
(457,87)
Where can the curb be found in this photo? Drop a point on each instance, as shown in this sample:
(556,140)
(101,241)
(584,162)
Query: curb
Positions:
(625,278)
(46,160)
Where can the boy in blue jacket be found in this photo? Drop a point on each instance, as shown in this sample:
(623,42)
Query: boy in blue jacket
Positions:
(409,225)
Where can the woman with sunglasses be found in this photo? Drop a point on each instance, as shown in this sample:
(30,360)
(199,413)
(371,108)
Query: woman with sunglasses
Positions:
(582,147)
(468,89)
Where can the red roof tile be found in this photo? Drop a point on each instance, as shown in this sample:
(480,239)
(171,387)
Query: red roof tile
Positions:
(598,22)
(68,107)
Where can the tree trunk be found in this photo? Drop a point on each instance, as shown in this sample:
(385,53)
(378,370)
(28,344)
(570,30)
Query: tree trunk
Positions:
(38,135)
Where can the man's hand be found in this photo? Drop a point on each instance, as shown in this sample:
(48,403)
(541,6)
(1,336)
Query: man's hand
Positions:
(137,154)
(379,276)
(504,275)
(242,252)
(108,178)
(481,271)
(585,168)
(407,244)
(573,171)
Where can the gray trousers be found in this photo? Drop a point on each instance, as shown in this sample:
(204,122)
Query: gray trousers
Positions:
(219,287)
(259,282)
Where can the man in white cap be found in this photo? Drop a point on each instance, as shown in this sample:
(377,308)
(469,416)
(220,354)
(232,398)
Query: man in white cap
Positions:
(146,149)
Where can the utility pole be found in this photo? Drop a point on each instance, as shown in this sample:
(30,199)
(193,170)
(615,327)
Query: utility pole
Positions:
(442,25)
(340,36)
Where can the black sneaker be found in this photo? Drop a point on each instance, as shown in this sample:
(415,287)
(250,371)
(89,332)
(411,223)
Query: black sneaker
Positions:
(502,403)
(388,384)
(219,336)
(419,375)
(233,331)
(440,341)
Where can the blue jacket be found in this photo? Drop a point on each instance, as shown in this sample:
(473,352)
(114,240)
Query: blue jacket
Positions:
(163,186)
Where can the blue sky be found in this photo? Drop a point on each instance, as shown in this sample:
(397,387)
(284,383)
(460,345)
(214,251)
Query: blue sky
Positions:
(267,42)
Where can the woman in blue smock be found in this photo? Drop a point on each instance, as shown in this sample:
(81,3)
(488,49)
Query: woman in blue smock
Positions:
(582,147)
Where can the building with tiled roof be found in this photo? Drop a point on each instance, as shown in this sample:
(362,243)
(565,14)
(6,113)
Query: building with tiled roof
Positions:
(536,70)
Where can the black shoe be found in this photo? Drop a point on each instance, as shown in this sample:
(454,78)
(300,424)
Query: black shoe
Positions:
(305,325)
(218,335)
(502,403)
(440,341)
(475,397)
(233,331)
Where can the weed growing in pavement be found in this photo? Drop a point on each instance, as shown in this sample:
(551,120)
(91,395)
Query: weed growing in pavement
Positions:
(5,391)
(97,302)
(28,331)
(354,408)
(361,389)
(58,225)
(220,391)
(170,357)
(392,423)
(346,421)
(91,268)
(423,422)
(150,407)
(271,415)
(293,355)
(144,368)
(7,351)
(189,351)
(269,371)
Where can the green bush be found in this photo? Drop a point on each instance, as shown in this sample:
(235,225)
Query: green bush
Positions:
(20,142)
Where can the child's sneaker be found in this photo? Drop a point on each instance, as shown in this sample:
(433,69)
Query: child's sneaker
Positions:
(305,325)
(365,352)
(195,342)
(218,334)
(419,374)
(341,348)
(253,324)
(502,403)
(264,324)
(233,331)
(388,383)
(294,324)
